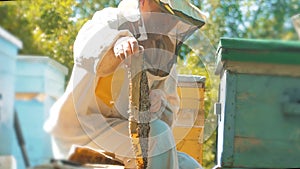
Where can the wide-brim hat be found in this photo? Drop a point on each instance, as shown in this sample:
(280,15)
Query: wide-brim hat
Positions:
(184,10)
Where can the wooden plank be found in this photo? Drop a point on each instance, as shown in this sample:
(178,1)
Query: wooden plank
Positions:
(263,68)
(191,147)
(189,140)
(227,157)
(262,153)
(259,44)
(264,135)
(259,106)
(266,56)
(187,133)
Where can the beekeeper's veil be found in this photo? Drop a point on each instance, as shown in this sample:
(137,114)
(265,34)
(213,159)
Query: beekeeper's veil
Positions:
(163,34)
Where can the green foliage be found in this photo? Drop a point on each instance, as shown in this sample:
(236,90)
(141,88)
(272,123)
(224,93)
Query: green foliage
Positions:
(49,27)
(86,8)
(13,20)
(261,19)
(251,19)
(53,29)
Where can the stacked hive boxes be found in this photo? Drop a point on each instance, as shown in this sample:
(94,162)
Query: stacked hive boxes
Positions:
(40,81)
(9,46)
(259,104)
(188,129)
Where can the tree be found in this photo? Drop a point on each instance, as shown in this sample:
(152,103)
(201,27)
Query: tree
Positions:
(48,28)
(12,19)
(259,19)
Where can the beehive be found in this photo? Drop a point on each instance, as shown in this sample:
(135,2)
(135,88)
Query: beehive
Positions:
(9,46)
(40,81)
(188,128)
(259,109)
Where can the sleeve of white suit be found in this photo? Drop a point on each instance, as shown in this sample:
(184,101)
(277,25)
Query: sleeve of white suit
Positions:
(96,38)
(76,112)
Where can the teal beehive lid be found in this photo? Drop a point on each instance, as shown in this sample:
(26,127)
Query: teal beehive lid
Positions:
(236,53)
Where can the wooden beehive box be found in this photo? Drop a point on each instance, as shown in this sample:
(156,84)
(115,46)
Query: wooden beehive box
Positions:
(189,125)
(40,81)
(9,46)
(259,104)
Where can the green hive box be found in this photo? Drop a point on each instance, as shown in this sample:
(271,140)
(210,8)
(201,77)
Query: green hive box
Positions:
(259,104)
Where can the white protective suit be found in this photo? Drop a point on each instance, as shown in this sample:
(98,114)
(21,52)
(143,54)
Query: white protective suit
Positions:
(79,117)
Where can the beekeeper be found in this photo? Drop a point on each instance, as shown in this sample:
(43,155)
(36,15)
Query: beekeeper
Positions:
(93,111)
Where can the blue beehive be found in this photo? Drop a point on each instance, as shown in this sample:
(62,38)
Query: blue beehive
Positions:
(9,46)
(39,82)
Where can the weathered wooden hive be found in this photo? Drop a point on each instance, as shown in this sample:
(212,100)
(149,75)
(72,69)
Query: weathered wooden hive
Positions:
(189,126)
(40,81)
(259,104)
(9,46)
